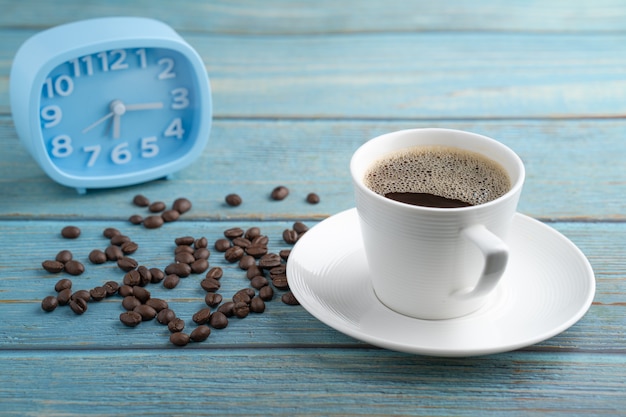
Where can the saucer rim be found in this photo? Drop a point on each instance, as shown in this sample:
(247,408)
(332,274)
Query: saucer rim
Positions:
(315,309)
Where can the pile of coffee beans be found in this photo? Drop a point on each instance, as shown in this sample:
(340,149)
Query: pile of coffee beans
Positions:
(158,214)
(264,270)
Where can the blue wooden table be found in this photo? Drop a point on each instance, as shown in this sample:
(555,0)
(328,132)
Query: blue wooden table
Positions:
(297,87)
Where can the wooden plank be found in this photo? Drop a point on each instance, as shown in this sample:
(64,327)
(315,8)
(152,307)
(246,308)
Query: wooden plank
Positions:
(312,17)
(404,76)
(308,382)
(24,284)
(574,170)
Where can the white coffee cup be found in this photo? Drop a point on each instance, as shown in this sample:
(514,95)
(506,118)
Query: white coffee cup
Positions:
(435,263)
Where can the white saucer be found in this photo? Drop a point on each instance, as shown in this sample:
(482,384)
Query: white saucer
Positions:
(548,286)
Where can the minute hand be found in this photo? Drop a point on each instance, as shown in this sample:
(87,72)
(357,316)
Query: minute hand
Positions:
(145,106)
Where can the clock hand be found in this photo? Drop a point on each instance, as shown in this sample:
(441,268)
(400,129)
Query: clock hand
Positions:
(97,122)
(145,106)
(118,108)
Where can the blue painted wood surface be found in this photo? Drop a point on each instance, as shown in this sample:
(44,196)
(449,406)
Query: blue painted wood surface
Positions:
(298,86)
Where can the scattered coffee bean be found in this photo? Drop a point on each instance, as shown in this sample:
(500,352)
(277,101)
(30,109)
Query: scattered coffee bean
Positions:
(256,250)
(111,287)
(157,303)
(260,240)
(213,299)
(203,242)
(266,293)
(222,245)
(246,262)
(233,254)
(278,271)
(218,320)
(49,303)
(157,207)
(170,216)
(147,313)
(179,338)
(130,302)
(241,297)
(171,281)
(290,299)
(184,257)
(98,293)
(64,256)
(78,305)
(210,284)
(142,294)
(113,253)
(130,318)
(259,282)
(176,325)
(126,290)
(233,200)
(52,266)
(132,278)
(153,222)
(226,308)
(109,232)
(257,305)
(165,316)
(84,294)
(254,271)
(97,257)
(145,276)
(136,219)
(252,233)
(290,236)
(312,198)
(183,249)
(63,297)
(62,284)
(242,242)
(182,270)
(156,275)
(201,253)
(126,264)
(74,267)
(280,282)
(300,228)
(284,254)
(184,240)
(129,247)
(119,240)
(233,232)
(200,333)
(70,232)
(241,310)
(202,316)
(279,193)
(141,201)
(216,273)
(199,266)
(182,205)
(270,260)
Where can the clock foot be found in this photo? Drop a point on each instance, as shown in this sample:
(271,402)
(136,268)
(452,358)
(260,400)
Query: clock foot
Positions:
(81,191)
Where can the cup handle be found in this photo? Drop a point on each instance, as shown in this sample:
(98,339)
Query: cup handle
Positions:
(496,255)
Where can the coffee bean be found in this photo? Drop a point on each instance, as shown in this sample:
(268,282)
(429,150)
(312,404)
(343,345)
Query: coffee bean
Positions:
(62,284)
(141,201)
(147,313)
(182,205)
(184,257)
(233,232)
(130,318)
(242,242)
(97,257)
(266,293)
(290,236)
(165,316)
(156,275)
(64,256)
(215,273)
(153,222)
(201,243)
(202,316)
(252,233)
(109,232)
(84,294)
(111,287)
(201,253)
(74,267)
(233,254)
(98,293)
(210,284)
(257,305)
(78,305)
(284,254)
(270,260)
(183,249)
(49,303)
(300,228)
(212,299)
(142,294)
(70,232)
(129,247)
(218,320)
(241,297)
(200,333)
(126,264)
(119,240)
(290,299)
(130,302)
(260,240)
(113,253)
(136,219)
(170,216)
(157,207)
(132,278)
(157,303)
(222,245)
(241,309)
(176,325)
(126,290)
(199,266)
(256,250)
(312,198)
(179,339)
(254,271)
(52,266)
(246,262)
(279,193)
(145,275)
(182,270)
(63,297)
(171,281)
(184,240)
(259,282)
(226,308)
(233,200)
(280,282)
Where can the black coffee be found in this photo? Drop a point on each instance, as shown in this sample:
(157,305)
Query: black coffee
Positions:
(438,176)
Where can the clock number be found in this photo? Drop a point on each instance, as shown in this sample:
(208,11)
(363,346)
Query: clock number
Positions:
(121,154)
(104,60)
(63,86)
(119,56)
(149,147)
(175,129)
(180,98)
(168,64)
(95,152)
(51,115)
(88,65)
(141,53)
(62,146)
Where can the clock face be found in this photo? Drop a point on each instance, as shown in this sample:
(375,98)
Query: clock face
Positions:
(119,111)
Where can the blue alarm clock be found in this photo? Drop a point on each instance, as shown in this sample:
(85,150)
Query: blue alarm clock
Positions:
(110,102)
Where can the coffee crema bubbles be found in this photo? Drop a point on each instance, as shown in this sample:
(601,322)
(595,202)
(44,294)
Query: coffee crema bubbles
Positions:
(437,176)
